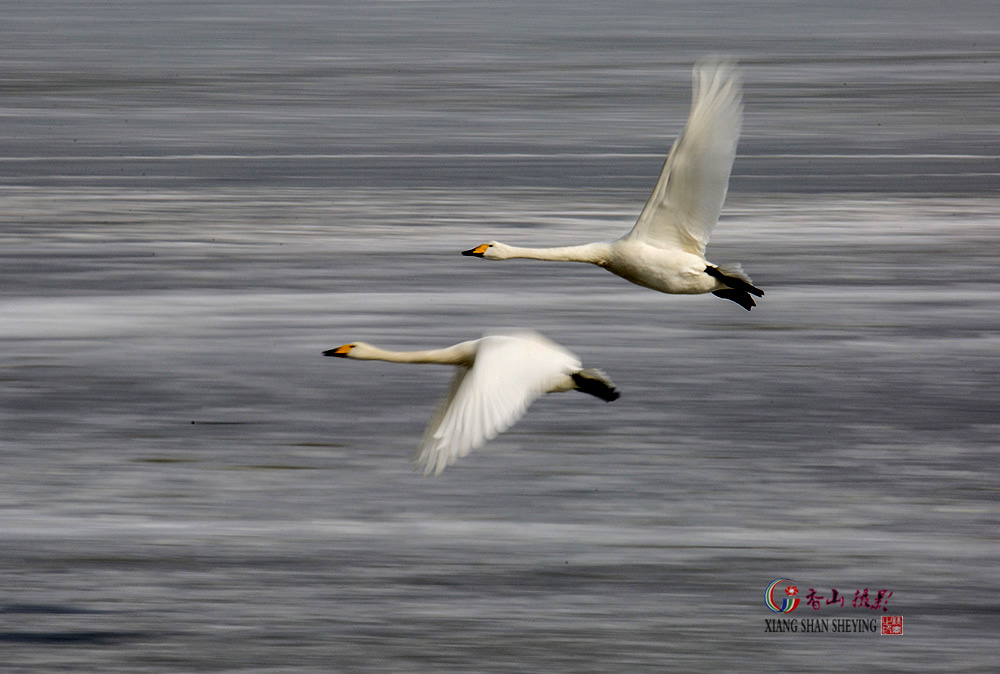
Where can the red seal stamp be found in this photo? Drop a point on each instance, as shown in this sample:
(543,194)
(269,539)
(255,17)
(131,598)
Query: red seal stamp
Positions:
(892,624)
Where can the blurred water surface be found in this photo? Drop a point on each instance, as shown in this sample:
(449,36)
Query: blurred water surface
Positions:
(198,198)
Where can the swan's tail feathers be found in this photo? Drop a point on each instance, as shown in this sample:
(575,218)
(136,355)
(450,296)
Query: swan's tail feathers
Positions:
(596,383)
(741,297)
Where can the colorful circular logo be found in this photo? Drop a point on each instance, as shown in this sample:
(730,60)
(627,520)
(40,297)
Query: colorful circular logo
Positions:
(789,603)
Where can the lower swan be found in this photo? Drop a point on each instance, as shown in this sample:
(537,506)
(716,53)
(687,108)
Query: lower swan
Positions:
(497,377)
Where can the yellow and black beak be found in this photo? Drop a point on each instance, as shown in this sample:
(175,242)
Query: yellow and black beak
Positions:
(478,251)
(340,351)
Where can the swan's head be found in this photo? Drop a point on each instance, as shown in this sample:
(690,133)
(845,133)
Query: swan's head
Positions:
(494,250)
(356,350)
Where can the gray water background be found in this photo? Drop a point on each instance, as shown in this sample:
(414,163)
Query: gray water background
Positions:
(196,199)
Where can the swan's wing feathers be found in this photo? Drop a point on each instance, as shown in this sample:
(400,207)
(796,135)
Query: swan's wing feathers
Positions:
(688,196)
(509,373)
(422,455)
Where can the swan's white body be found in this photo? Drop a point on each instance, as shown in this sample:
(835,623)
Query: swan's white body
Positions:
(665,250)
(497,378)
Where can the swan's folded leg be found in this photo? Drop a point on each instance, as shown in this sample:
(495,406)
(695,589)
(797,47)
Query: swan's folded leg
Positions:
(596,383)
(734,277)
(741,297)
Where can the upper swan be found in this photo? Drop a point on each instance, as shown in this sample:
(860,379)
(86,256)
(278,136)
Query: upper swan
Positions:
(665,250)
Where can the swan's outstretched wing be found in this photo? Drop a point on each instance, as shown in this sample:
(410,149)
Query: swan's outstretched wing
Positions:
(509,373)
(688,196)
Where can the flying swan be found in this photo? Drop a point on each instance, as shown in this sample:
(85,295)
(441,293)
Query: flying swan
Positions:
(497,377)
(665,250)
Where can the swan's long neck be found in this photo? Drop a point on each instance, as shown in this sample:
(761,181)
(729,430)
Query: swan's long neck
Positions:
(459,354)
(593,253)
